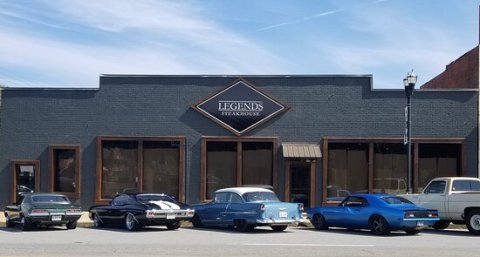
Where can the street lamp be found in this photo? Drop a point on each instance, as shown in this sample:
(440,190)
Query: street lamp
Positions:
(409,83)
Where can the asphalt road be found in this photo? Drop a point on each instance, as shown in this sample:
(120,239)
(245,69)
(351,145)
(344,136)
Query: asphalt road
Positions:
(295,241)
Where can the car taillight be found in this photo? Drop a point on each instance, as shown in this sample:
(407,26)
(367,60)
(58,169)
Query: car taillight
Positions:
(409,215)
(190,212)
(150,214)
(432,214)
(39,211)
(73,211)
(300,206)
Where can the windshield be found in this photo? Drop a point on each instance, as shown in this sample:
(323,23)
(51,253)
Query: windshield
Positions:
(396,200)
(154,197)
(260,197)
(49,199)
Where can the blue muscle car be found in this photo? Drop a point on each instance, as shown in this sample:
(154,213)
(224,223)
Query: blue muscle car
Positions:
(381,213)
(244,208)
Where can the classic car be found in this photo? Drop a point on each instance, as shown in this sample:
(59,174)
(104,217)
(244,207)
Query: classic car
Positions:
(381,213)
(244,208)
(42,209)
(135,210)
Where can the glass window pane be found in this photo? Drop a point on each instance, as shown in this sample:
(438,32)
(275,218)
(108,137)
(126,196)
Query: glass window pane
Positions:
(347,170)
(221,166)
(161,167)
(25,179)
(257,163)
(64,169)
(119,167)
(437,160)
(390,169)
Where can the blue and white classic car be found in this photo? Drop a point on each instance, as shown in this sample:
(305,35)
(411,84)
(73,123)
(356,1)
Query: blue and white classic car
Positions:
(245,208)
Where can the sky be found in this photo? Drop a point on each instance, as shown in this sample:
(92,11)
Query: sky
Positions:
(71,43)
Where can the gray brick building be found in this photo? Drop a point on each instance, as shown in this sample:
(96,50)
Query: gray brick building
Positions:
(321,138)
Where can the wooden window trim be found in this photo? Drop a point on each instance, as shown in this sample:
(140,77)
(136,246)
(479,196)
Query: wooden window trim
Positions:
(313,178)
(181,163)
(203,163)
(51,169)
(36,164)
(374,140)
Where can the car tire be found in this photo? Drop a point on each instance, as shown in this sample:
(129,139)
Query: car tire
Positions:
(318,221)
(97,222)
(131,222)
(412,231)
(197,222)
(175,225)
(8,222)
(279,228)
(473,222)
(441,224)
(25,224)
(243,226)
(71,225)
(379,225)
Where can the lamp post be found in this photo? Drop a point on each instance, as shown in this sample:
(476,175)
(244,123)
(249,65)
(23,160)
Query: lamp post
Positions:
(409,83)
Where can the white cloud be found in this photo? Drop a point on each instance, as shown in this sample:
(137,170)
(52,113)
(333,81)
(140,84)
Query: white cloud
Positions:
(164,38)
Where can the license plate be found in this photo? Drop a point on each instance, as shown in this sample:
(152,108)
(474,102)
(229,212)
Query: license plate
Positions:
(170,216)
(420,223)
(282,214)
(56,218)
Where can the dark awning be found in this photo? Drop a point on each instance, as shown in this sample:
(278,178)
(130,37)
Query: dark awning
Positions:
(301,150)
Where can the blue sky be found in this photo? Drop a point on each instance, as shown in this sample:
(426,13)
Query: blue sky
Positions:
(70,43)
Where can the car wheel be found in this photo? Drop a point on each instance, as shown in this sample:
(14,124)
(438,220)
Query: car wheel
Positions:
(174,225)
(279,228)
(131,222)
(8,222)
(25,224)
(72,225)
(412,231)
(318,221)
(197,222)
(96,221)
(441,224)
(473,222)
(243,226)
(379,226)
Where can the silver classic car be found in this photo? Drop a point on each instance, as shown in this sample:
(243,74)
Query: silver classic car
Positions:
(245,208)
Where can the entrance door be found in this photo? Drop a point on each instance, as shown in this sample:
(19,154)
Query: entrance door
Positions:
(300,182)
(25,178)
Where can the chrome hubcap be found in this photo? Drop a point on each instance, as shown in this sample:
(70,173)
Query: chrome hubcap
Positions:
(475,221)
(130,220)
(377,224)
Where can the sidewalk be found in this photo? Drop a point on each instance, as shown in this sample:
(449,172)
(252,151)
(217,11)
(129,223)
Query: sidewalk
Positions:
(84,221)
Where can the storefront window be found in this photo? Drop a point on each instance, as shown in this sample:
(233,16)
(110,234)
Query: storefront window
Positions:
(221,166)
(65,169)
(389,169)
(119,167)
(161,167)
(257,161)
(228,166)
(137,164)
(437,160)
(347,170)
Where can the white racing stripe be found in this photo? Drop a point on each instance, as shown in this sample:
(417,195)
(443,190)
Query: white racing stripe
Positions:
(310,245)
(165,205)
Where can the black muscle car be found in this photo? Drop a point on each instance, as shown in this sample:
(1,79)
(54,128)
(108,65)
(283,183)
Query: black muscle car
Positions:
(135,210)
(42,209)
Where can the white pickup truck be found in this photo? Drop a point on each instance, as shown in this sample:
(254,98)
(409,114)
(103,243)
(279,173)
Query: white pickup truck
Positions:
(457,200)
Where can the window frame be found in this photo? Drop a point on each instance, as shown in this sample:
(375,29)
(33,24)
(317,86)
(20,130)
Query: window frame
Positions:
(181,163)
(239,174)
(375,140)
(51,169)
(35,164)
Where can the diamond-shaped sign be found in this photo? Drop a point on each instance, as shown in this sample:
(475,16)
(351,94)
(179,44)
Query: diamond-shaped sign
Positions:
(240,107)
